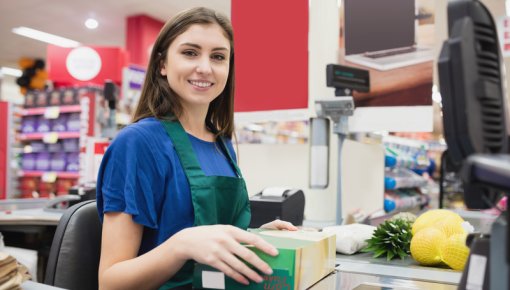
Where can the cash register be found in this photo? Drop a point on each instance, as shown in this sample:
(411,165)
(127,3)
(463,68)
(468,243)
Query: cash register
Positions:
(471,78)
(286,204)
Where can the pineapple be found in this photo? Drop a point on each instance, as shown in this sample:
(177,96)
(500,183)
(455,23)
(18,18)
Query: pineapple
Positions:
(391,239)
(407,216)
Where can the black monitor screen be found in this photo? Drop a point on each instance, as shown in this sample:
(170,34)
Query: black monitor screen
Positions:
(374,25)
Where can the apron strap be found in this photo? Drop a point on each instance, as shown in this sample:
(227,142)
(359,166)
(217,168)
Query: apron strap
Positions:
(182,145)
(187,157)
(223,144)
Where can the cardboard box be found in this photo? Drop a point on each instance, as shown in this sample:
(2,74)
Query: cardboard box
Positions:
(304,258)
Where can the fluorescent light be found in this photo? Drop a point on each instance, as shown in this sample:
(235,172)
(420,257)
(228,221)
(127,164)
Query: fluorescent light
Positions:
(91,23)
(45,37)
(11,71)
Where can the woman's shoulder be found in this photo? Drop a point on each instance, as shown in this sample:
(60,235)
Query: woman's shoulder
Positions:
(142,133)
(144,127)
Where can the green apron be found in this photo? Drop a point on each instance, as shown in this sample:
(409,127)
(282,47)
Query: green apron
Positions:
(216,199)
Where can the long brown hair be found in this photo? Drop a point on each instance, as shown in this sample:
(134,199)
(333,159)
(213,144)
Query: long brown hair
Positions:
(160,101)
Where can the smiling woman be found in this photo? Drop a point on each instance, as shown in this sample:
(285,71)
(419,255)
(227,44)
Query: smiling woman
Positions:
(169,190)
(199,61)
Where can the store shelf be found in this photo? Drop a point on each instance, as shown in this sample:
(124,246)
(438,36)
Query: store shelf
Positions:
(41,136)
(43,110)
(59,174)
(26,139)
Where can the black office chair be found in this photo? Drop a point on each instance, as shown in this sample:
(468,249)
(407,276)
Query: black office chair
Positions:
(73,262)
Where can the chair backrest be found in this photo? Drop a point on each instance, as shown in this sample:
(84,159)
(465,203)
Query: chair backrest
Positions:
(73,262)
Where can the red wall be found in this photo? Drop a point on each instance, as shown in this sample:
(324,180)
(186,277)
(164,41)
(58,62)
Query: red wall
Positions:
(4,113)
(271,54)
(141,34)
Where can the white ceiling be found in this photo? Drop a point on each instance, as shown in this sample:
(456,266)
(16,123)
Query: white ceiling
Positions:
(66,18)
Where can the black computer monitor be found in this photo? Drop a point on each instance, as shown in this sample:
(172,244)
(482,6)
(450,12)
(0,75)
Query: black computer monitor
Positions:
(471,85)
(375,25)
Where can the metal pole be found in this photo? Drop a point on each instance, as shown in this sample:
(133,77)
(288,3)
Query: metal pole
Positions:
(339,219)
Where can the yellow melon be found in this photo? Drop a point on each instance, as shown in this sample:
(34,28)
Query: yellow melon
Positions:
(431,217)
(425,246)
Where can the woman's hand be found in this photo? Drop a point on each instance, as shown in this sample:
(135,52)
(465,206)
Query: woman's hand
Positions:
(220,246)
(279,225)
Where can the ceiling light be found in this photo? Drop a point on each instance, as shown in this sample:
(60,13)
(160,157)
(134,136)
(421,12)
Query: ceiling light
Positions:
(45,37)
(91,23)
(11,71)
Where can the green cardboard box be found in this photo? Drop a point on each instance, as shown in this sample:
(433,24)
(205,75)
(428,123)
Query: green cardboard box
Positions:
(304,258)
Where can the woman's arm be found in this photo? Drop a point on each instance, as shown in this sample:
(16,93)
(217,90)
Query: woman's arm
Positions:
(218,246)
(120,268)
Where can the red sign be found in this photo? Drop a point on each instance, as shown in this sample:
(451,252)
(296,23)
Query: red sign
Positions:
(85,65)
(271,54)
(100,147)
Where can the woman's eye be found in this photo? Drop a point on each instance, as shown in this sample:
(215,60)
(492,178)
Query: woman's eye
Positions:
(189,53)
(218,57)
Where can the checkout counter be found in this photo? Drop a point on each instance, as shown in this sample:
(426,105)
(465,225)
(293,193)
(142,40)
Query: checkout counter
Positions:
(31,224)
(38,219)
(340,280)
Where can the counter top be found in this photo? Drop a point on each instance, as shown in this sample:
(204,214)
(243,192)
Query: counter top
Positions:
(363,263)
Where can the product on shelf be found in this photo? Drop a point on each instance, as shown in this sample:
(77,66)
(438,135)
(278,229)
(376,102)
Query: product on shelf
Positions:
(55,97)
(41,99)
(404,200)
(30,99)
(60,124)
(70,97)
(71,145)
(63,185)
(29,124)
(28,161)
(46,188)
(42,161)
(55,147)
(37,147)
(43,124)
(73,122)
(29,184)
(402,178)
(73,162)
(58,161)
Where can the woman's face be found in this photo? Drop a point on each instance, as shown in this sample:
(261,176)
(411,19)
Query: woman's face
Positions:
(197,64)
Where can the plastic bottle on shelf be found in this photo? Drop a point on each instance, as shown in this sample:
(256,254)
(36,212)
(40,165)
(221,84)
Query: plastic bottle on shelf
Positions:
(402,178)
(404,203)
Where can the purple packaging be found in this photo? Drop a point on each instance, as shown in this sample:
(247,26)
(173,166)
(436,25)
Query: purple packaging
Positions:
(28,161)
(42,161)
(43,124)
(73,122)
(73,162)
(28,124)
(71,145)
(59,124)
(38,147)
(58,161)
(55,147)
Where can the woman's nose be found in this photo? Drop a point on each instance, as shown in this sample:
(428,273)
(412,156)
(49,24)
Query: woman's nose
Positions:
(204,66)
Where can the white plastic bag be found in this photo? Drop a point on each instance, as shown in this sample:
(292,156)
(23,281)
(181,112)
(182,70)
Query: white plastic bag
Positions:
(350,238)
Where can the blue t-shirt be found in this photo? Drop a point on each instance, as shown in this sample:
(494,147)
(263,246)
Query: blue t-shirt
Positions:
(141,175)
